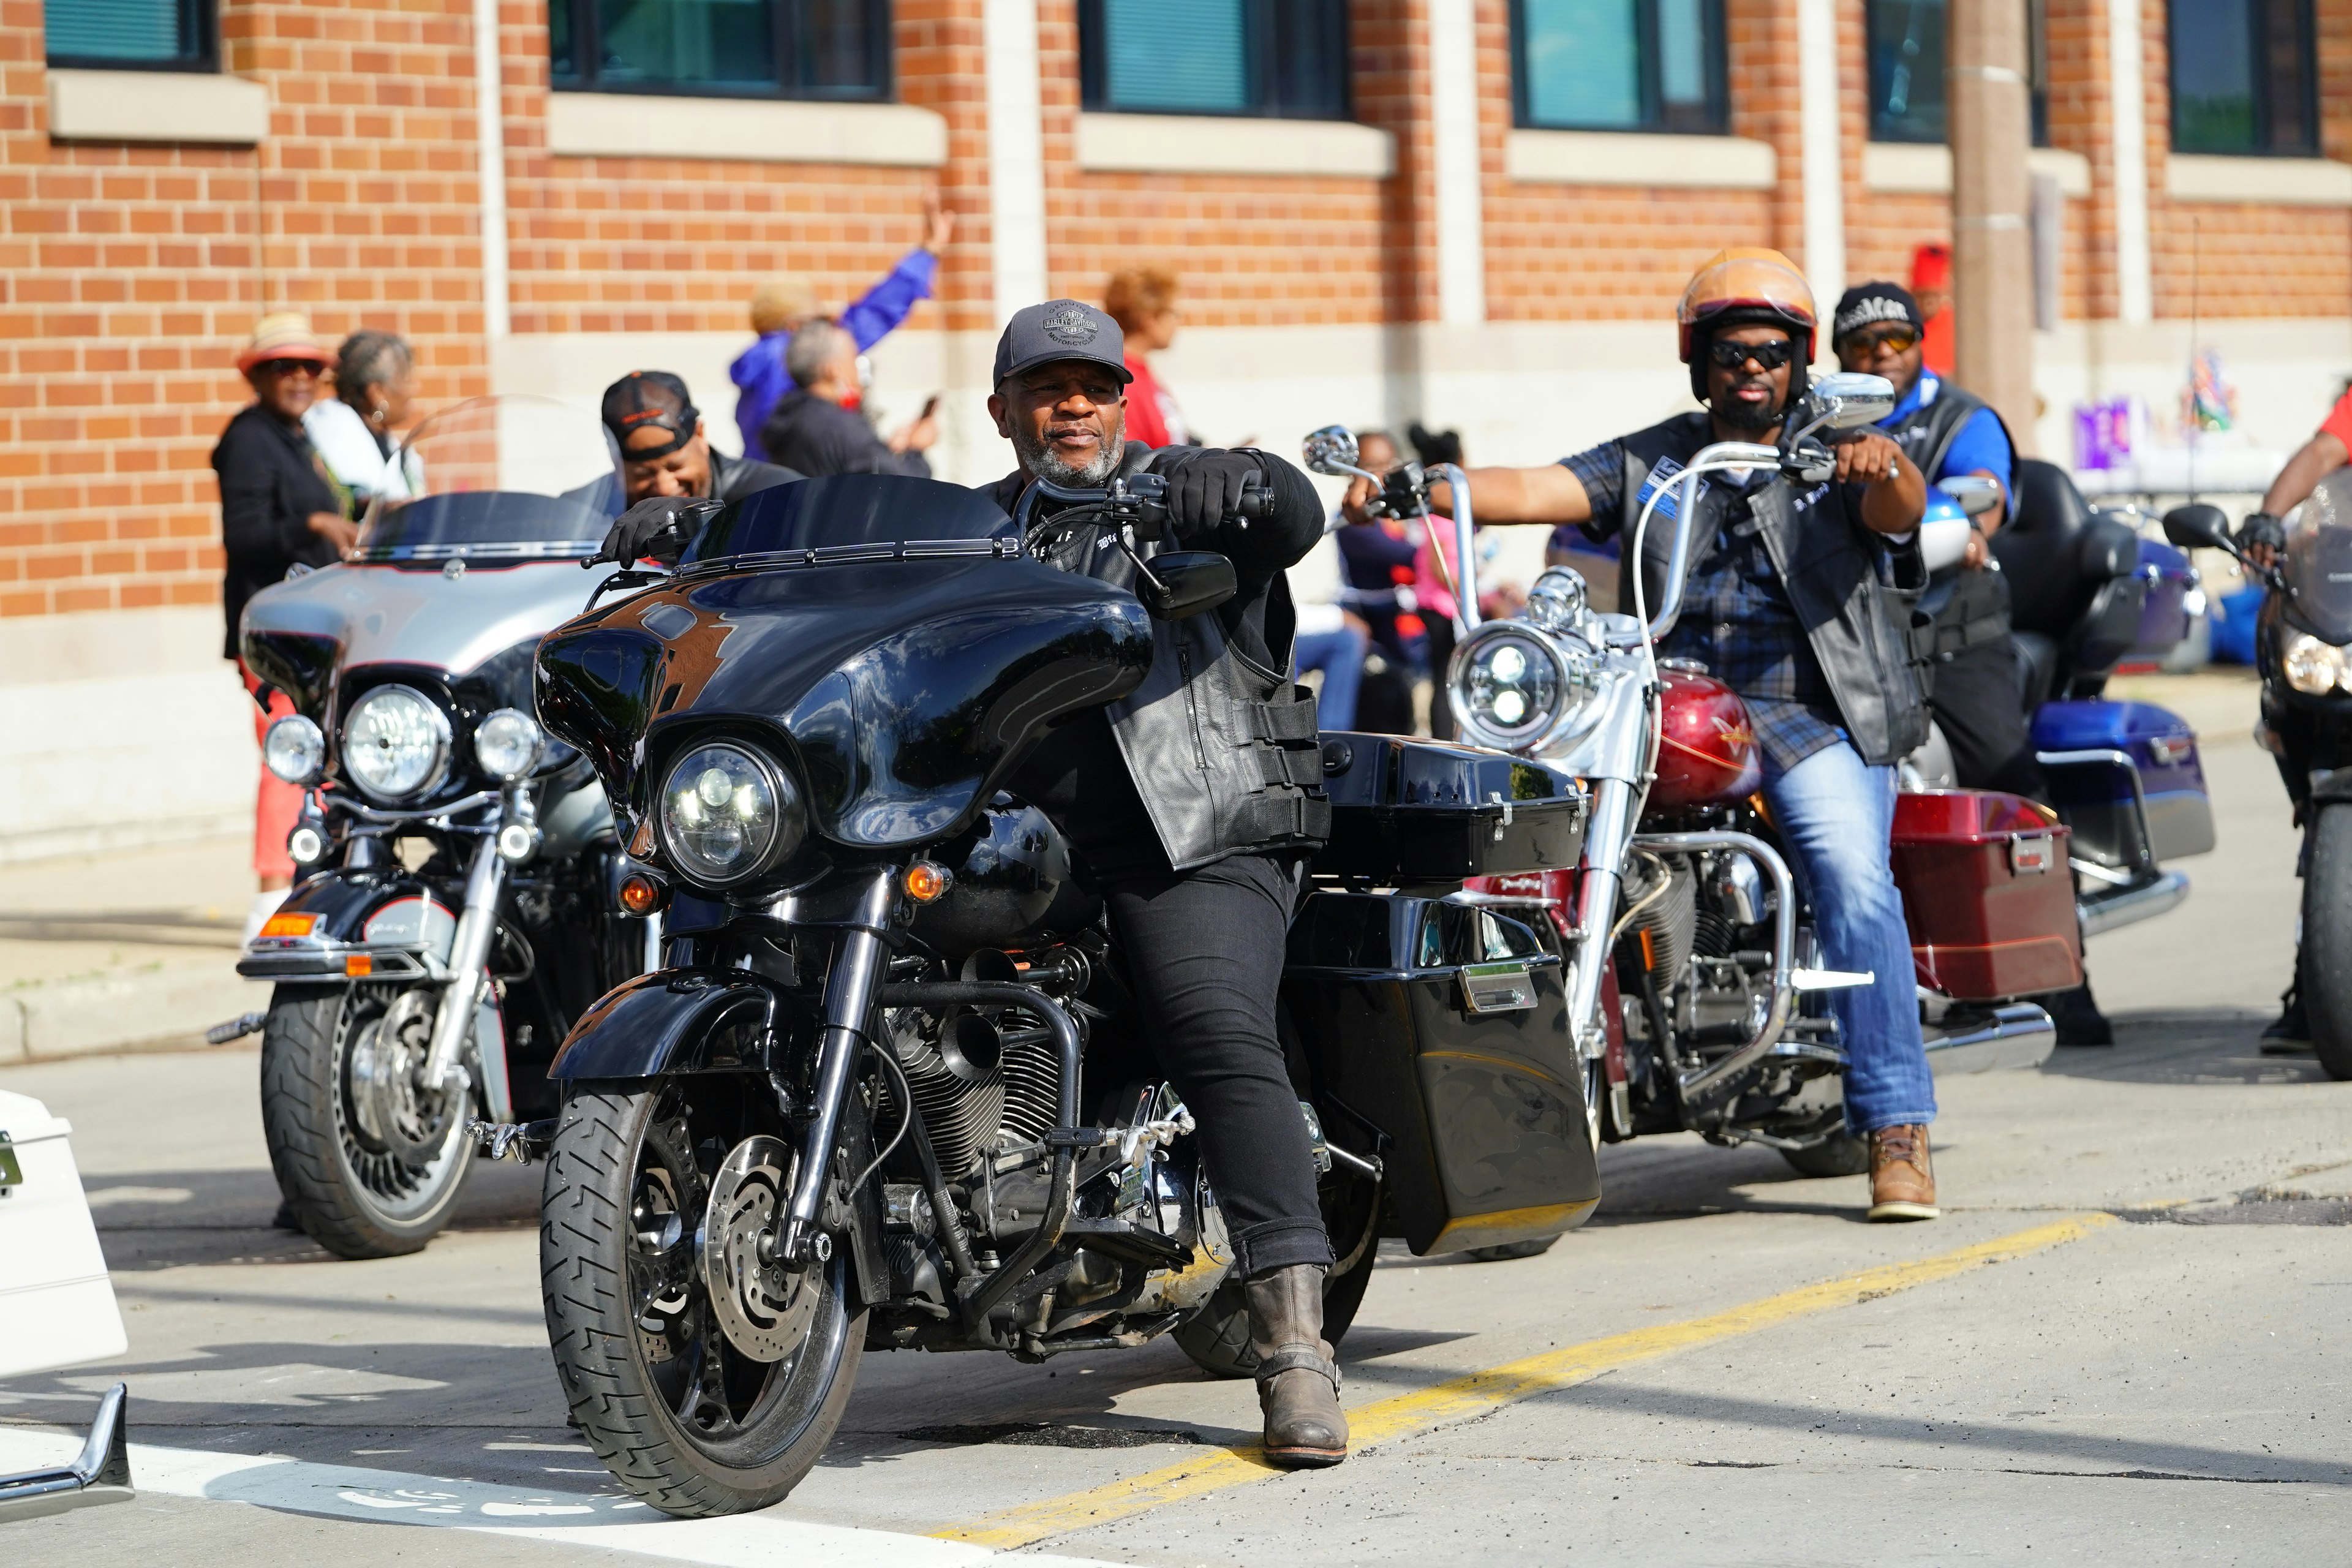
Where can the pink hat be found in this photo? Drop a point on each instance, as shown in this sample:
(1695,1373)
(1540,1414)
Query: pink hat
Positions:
(283,334)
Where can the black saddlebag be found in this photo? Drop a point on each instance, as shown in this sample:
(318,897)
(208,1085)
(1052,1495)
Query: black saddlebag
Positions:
(1427,814)
(1434,1034)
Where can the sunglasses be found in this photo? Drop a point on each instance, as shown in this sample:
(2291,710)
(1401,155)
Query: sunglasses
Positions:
(1772,356)
(289,367)
(1890,340)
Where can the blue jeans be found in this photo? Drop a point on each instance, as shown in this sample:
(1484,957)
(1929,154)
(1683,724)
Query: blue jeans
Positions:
(1340,657)
(1836,815)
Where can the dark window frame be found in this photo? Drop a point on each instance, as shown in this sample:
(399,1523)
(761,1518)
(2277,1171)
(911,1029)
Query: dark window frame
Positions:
(1264,100)
(199,23)
(1645,22)
(2037,79)
(2307,54)
(788,20)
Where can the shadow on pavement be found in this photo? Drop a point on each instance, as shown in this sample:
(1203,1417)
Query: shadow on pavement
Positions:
(2188,1046)
(179,1219)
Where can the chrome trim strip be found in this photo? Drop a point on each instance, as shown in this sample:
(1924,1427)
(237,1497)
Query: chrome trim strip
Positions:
(99,1473)
(2114,759)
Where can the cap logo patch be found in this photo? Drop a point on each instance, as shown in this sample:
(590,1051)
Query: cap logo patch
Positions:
(1071,325)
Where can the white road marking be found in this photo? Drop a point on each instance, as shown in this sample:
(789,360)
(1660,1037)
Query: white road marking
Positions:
(617,1524)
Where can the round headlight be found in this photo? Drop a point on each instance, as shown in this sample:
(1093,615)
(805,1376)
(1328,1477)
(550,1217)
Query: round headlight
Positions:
(1510,685)
(506,742)
(2312,667)
(727,814)
(295,750)
(395,742)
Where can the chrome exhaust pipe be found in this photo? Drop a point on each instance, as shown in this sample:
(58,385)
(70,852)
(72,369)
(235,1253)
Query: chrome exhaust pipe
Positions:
(2130,906)
(101,1474)
(2018,1034)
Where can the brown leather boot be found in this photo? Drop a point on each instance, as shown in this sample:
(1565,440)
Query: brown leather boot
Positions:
(1902,1183)
(1297,1381)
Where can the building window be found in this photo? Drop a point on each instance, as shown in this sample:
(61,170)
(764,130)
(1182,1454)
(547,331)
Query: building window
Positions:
(1906,70)
(771,49)
(1279,58)
(1619,64)
(2243,78)
(132,35)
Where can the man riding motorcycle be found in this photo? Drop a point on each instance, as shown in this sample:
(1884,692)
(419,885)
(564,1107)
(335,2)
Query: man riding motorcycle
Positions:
(664,452)
(1786,603)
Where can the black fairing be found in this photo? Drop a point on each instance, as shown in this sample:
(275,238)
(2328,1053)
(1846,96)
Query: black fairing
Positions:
(297,664)
(907,686)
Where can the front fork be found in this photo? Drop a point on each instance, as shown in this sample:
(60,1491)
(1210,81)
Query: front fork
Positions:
(469,953)
(849,989)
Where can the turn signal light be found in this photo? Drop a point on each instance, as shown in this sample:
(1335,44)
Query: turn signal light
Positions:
(925,882)
(642,895)
(288,925)
(358,967)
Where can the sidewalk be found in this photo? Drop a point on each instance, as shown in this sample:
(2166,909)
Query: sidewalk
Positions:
(108,952)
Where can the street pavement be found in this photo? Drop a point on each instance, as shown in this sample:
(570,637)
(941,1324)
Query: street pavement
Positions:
(2114,1347)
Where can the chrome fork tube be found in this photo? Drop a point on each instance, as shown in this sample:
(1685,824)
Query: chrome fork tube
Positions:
(849,989)
(1605,837)
(468,953)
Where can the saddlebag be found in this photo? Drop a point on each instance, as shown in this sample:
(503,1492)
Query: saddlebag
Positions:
(1428,814)
(2127,778)
(1433,1037)
(1987,893)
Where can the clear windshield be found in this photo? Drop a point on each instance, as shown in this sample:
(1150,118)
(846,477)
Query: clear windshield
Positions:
(2319,559)
(511,476)
(845,512)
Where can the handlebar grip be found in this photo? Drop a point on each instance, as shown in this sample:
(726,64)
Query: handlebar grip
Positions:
(1257,503)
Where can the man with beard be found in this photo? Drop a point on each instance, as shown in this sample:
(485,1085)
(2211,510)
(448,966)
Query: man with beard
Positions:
(1784,601)
(1193,829)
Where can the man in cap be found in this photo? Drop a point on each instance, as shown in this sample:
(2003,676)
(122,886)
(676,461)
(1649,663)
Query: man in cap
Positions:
(665,462)
(1193,827)
(1821,666)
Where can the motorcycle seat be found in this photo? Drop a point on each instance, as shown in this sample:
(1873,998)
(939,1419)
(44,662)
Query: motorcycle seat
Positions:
(2037,667)
(2038,549)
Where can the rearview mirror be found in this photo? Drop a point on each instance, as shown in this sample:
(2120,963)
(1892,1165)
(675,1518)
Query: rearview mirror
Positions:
(1185,583)
(2199,525)
(1847,400)
(1976,494)
(1332,451)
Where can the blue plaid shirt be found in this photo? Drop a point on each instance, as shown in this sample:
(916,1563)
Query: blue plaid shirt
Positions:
(1736,619)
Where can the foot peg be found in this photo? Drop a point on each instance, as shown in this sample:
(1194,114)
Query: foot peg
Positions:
(236,1028)
(524,1142)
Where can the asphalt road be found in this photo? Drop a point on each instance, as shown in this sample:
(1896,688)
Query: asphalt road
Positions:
(2115,1347)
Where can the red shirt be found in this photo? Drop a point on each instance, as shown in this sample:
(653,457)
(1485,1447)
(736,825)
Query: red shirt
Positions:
(1152,417)
(2338,422)
(1936,342)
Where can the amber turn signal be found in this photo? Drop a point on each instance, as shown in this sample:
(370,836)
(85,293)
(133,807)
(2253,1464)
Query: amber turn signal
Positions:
(358,967)
(925,882)
(642,895)
(288,925)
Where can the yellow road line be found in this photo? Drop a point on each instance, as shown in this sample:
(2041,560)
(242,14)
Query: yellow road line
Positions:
(1475,1394)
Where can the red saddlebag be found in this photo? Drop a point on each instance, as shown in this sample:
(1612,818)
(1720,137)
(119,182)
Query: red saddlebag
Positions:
(1988,894)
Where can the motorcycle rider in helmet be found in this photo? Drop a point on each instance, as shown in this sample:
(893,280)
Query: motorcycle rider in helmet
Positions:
(1783,601)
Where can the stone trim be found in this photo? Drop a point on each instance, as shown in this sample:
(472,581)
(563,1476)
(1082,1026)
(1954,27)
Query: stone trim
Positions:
(1925,168)
(1636,158)
(2280,182)
(1215,144)
(157,106)
(756,131)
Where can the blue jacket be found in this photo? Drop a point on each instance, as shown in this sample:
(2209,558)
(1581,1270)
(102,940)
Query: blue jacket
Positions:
(759,371)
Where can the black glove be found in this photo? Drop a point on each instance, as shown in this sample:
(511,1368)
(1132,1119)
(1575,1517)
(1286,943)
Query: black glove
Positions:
(2261,528)
(658,526)
(1204,487)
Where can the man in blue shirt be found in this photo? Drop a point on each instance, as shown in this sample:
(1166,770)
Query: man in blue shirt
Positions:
(779,309)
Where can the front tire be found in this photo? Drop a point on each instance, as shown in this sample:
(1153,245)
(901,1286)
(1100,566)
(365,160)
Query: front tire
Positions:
(2326,960)
(351,1191)
(681,1418)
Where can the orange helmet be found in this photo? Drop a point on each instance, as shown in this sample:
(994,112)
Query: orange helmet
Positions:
(1753,283)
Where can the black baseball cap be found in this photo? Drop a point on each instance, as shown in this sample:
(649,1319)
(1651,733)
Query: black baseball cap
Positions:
(1868,304)
(1061,329)
(650,400)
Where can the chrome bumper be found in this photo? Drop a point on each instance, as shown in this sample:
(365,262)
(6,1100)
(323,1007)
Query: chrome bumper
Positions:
(101,1474)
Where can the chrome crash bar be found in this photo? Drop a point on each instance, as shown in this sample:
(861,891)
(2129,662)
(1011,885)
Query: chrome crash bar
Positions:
(1698,1082)
(101,1474)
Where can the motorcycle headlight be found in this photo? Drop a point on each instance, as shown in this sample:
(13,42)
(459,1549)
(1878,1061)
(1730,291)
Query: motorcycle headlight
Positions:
(295,750)
(507,743)
(395,742)
(2313,667)
(727,813)
(1510,685)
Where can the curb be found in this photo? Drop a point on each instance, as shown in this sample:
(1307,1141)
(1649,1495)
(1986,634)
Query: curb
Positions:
(121,1011)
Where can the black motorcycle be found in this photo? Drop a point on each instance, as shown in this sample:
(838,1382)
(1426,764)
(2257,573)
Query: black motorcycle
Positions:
(889,1088)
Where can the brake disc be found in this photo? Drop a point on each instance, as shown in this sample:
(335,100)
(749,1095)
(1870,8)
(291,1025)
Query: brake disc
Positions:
(765,1308)
(390,1106)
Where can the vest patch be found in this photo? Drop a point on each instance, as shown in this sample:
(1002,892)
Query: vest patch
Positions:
(1670,503)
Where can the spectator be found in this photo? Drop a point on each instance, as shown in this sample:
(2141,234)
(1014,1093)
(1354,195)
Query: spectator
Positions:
(280,508)
(376,387)
(1327,636)
(664,451)
(814,429)
(1142,301)
(1435,572)
(1377,563)
(779,308)
(1931,286)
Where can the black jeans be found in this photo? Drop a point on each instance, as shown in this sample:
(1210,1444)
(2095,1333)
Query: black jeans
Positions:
(1203,952)
(1980,707)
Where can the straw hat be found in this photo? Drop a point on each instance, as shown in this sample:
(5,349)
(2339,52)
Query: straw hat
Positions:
(283,334)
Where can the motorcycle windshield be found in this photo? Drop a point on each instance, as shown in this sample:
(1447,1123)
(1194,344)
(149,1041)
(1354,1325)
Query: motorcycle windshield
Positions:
(845,516)
(511,478)
(2318,564)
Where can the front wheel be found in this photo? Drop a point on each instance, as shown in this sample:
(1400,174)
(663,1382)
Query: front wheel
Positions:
(2327,961)
(629,1248)
(369,1162)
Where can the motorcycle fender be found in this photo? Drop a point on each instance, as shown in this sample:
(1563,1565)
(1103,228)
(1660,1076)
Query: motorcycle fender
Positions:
(676,1020)
(360,926)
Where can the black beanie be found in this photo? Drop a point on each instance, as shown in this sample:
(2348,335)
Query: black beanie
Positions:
(1868,304)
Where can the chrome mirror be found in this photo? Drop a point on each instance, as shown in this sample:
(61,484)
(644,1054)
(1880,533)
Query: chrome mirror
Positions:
(1332,451)
(1975,493)
(1847,400)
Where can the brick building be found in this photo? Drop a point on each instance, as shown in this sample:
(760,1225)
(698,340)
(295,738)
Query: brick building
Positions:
(1474,212)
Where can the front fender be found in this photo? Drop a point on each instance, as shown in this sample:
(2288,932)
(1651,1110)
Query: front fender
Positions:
(365,924)
(677,1020)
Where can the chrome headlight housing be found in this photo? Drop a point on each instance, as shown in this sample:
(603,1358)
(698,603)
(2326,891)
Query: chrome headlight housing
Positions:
(2313,667)
(727,813)
(396,742)
(1510,685)
(507,743)
(295,750)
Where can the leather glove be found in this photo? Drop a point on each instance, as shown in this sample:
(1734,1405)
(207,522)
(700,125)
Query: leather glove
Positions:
(1204,487)
(2261,529)
(658,526)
